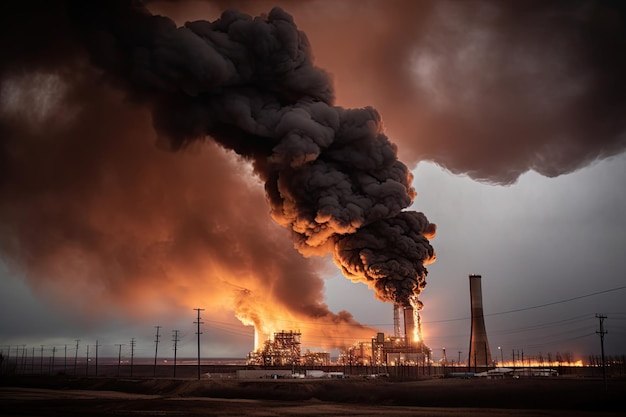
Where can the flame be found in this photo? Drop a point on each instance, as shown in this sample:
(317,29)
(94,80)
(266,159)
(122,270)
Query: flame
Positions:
(417,330)
(319,327)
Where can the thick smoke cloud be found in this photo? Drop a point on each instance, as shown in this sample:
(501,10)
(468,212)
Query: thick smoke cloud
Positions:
(486,88)
(250,84)
(490,89)
(95,216)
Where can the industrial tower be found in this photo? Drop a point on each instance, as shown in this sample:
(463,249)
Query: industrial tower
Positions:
(479,353)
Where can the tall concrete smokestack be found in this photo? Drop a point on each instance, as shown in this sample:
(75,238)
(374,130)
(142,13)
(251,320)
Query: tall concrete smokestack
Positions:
(410,331)
(397,332)
(479,353)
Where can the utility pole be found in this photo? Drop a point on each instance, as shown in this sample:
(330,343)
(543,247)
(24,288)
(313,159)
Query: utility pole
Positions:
(8,358)
(24,354)
(175,340)
(54,349)
(198,322)
(41,361)
(602,332)
(97,357)
(119,357)
(65,361)
(76,356)
(486,358)
(156,348)
(87,362)
(132,354)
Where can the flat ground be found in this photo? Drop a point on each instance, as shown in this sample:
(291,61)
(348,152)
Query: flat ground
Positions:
(73,396)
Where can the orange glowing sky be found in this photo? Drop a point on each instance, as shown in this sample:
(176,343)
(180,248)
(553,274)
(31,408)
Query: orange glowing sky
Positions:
(103,227)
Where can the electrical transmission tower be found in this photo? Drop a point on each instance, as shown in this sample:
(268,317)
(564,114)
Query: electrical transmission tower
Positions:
(198,332)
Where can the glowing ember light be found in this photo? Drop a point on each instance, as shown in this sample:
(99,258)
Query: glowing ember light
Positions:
(417,306)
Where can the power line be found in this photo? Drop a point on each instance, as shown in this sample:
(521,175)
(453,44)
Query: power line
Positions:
(533,307)
(557,302)
(574,320)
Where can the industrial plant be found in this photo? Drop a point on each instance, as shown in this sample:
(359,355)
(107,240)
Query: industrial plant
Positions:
(405,347)
(402,354)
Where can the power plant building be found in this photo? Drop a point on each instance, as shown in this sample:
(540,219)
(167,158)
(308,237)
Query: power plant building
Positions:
(400,349)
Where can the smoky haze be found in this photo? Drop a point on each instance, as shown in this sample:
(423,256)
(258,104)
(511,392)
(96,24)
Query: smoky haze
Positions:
(90,216)
(250,84)
(486,88)
(94,215)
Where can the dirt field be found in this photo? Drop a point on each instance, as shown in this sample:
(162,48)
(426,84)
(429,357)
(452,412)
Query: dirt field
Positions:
(68,397)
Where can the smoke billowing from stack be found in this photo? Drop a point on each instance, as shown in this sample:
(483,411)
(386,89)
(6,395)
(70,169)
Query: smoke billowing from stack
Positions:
(490,88)
(331,175)
(91,206)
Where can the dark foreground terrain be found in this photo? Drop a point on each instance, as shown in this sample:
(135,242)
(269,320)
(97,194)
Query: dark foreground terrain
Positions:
(74,396)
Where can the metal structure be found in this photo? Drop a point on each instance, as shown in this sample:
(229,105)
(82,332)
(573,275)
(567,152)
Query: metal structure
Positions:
(479,353)
(315,358)
(403,348)
(283,349)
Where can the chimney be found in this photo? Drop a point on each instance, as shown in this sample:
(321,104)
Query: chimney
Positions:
(409,326)
(397,332)
(479,353)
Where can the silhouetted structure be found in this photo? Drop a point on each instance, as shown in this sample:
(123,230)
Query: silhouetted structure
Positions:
(479,353)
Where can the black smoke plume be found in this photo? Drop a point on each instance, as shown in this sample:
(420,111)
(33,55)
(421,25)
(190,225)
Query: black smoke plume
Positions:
(85,208)
(331,175)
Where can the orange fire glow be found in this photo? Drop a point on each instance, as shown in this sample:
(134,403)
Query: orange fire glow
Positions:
(323,330)
(417,330)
